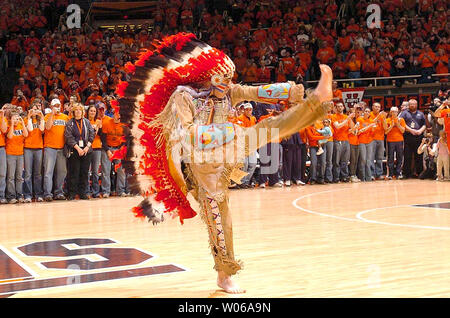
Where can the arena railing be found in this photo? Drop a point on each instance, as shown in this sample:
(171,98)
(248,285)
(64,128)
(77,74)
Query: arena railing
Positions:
(376,80)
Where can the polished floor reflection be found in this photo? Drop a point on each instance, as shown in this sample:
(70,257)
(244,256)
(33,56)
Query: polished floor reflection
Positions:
(377,239)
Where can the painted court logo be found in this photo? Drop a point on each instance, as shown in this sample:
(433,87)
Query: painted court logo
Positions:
(81,261)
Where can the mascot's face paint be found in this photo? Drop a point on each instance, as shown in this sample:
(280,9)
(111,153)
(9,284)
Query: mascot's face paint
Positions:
(221,83)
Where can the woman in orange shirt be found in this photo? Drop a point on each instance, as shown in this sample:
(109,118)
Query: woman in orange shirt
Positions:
(394,137)
(365,137)
(96,157)
(32,154)
(17,131)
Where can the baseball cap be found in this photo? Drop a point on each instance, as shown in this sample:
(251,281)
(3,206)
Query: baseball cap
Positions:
(101,105)
(248,105)
(55,101)
(394,109)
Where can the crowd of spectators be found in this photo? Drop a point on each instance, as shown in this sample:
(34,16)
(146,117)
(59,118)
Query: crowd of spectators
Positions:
(268,41)
(50,153)
(362,143)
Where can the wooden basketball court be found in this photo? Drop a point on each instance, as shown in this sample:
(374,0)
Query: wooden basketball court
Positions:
(377,239)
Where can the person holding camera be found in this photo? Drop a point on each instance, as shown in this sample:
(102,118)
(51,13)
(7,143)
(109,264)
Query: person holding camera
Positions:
(443,113)
(20,100)
(427,150)
(443,158)
(79,135)
(17,131)
(33,152)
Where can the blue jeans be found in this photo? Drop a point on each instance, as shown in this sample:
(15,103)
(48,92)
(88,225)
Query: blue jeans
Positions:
(14,179)
(341,155)
(249,167)
(354,159)
(2,172)
(376,161)
(318,163)
(328,147)
(55,171)
(33,173)
(96,158)
(397,149)
(365,152)
(106,175)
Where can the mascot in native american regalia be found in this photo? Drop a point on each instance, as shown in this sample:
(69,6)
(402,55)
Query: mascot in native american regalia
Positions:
(177,108)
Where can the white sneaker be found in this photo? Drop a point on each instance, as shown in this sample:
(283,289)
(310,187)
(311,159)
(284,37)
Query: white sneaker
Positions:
(21,200)
(319,152)
(287,183)
(278,184)
(262,185)
(12,201)
(354,179)
(299,182)
(27,200)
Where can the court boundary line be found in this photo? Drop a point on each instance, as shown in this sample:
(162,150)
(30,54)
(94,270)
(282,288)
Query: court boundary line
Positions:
(359,214)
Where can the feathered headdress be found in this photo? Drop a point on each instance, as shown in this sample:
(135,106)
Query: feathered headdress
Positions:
(179,59)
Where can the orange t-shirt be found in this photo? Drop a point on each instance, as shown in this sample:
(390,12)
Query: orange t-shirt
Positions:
(340,134)
(3,136)
(337,94)
(97,143)
(244,121)
(326,54)
(14,145)
(114,133)
(395,135)
(445,113)
(427,59)
(313,136)
(54,137)
(353,139)
(365,137)
(378,132)
(34,139)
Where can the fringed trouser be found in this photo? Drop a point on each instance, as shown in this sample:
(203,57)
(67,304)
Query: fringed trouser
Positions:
(213,187)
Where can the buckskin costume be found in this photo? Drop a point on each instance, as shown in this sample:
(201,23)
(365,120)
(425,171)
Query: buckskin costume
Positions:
(181,140)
